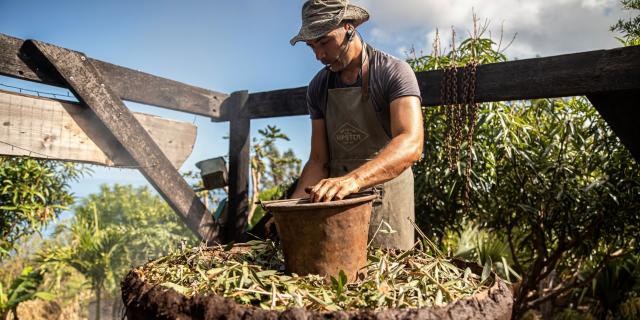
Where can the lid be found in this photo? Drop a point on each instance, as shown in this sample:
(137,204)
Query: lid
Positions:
(304,203)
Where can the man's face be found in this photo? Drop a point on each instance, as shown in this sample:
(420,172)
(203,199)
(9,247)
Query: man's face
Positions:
(328,47)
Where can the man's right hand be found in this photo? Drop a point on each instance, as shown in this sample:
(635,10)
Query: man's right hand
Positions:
(333,189)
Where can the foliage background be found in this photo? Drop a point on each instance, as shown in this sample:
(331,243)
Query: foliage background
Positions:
(554,194)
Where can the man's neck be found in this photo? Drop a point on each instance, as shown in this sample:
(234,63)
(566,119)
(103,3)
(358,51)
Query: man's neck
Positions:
(349,75)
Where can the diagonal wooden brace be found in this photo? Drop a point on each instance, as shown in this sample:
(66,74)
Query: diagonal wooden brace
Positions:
(621,110)
(87,84)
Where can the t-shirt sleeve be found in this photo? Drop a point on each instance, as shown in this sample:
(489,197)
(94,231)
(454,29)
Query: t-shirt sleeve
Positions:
(401,80)
(315,99)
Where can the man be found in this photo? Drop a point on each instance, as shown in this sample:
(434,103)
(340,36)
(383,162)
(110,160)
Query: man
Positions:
(366,120)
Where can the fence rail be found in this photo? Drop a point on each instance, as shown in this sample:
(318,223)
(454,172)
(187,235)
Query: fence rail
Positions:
(18,59)
(550,77)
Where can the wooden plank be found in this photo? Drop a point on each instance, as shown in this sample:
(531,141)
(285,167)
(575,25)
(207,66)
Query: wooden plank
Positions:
(239,140)
(556,76)
(277,103)
(621,110)
(86,83)
(55,129)
(20,61)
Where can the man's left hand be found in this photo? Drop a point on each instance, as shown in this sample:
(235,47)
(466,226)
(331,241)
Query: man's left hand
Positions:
(333,189)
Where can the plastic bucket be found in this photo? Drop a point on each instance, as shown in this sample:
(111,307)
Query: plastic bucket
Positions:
(323,238)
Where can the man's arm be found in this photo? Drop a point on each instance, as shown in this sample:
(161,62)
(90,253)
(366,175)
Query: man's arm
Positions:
(403,150)
(316,167)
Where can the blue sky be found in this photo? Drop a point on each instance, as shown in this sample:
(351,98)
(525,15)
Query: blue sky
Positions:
(243,45)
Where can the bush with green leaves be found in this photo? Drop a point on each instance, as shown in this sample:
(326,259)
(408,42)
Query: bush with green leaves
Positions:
(272,171)
(113,230)
(614,291)
(22,288)
(32,194)
(549,178)
(97,253)
(150,225)
(272,166)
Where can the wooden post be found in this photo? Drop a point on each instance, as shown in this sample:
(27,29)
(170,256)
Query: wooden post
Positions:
(621,110)
(239,141)
(87,84)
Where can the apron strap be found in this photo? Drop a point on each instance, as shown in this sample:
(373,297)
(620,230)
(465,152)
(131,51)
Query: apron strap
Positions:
(365,72)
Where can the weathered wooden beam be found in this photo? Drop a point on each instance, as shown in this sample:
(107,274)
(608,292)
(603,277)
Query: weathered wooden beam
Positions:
(16,61)
(277,103)
(239,140)
(557,76)
(62,130)
(621,110)
(85,81)
(550,77)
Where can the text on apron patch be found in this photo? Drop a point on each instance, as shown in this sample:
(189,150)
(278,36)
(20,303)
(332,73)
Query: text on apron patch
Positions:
(349,136)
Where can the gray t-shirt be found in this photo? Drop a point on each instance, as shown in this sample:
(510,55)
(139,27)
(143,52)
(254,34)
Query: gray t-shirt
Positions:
(389,78)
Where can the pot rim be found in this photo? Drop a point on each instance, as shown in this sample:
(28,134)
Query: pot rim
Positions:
(304,204)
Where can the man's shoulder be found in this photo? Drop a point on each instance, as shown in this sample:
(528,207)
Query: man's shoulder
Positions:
(315,96)
(392,77)
(320,78)
(386,60)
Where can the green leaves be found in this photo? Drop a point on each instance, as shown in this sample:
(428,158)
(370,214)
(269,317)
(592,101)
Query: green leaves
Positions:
(33,193)
(339,284)
(273,166)
(23,288)
(114,229)
(253,275)
(271,170)
(630,28)
(551,182)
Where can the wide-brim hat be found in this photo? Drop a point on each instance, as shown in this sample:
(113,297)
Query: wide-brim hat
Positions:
(320,17)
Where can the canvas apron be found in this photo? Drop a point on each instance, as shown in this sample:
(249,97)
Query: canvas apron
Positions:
(355,136)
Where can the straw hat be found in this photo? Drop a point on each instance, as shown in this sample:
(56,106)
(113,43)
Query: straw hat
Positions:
(320,17)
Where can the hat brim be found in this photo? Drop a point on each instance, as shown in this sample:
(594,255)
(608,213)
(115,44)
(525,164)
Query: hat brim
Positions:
(357,15)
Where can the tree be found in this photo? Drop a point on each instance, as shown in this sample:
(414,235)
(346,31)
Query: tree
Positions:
(629,28)
(32,194)
(565,193)
(549,178)
(150,226)
(112,230)
(97,253)
(271,171)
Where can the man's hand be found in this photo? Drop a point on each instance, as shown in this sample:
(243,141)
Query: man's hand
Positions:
(333,189)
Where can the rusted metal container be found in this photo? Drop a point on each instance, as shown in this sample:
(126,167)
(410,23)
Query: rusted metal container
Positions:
(213,172)
(323,238)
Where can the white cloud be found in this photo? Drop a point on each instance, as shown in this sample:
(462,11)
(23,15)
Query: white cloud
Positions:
(543,27)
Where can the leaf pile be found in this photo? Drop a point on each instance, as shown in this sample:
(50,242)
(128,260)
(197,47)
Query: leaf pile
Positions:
(253,274)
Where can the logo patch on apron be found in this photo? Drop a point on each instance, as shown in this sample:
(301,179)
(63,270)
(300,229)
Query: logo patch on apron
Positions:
(348,136)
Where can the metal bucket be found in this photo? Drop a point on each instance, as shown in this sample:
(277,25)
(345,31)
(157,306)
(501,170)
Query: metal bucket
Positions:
(323,238)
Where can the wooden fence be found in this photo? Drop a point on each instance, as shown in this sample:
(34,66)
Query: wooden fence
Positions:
(610,79)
